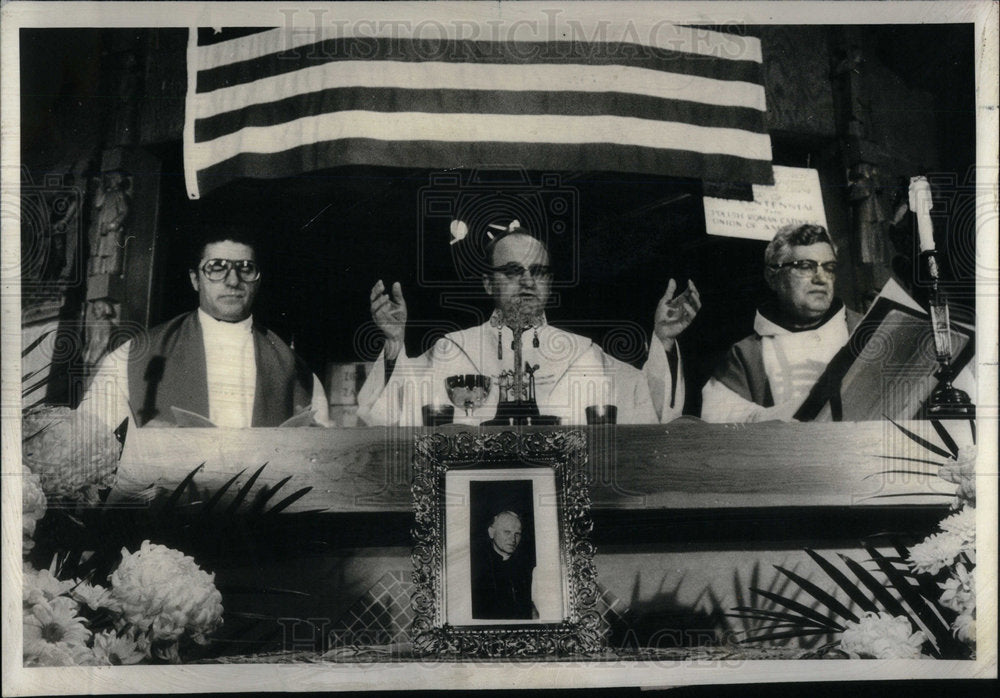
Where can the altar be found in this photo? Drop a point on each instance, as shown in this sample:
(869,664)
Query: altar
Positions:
(687,517)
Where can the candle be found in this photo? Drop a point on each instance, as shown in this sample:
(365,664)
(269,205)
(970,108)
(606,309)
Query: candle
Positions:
(920,204)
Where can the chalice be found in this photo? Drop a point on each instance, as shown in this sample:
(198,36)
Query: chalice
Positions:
(468,390)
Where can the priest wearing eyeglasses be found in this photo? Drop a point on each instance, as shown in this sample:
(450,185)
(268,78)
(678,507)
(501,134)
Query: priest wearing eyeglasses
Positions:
(769,374)
(519,358)
(216,362)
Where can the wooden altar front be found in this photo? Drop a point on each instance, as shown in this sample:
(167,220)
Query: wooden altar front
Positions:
(687,515)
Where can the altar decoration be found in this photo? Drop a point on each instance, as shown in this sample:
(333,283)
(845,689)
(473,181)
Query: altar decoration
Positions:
(920,602)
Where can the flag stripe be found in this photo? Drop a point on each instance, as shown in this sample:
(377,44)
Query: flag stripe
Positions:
(358,49)
(543,90)
(652,33)
(533,156)
(478,102)
(412,126)
(468,76)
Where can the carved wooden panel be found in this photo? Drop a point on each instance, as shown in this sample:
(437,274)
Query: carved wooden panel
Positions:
(797,80)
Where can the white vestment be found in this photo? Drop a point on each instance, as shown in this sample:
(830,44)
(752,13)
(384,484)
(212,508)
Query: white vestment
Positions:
(572,373)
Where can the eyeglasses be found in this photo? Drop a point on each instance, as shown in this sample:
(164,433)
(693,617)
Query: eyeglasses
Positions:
(516,271)
(807,267)
(218,269)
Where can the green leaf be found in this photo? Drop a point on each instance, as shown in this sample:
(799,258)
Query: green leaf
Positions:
(923,442)
(846,585)
(822,596)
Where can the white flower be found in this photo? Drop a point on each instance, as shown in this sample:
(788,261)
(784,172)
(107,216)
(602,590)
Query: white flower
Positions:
(42,585)
(54,635)
(163,591)
(959,592)
(964,628)
(881,636)
(113,649)
(962,473)
(963,524)
(33,506)
(935,552)
(94,596)
(73,454)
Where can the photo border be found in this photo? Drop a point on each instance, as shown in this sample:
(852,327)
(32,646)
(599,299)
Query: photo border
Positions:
(566,453)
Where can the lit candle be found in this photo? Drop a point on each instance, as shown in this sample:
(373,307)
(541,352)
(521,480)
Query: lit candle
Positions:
(921,204)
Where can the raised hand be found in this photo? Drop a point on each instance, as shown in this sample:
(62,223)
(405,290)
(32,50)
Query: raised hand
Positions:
(674,314)
(389,314)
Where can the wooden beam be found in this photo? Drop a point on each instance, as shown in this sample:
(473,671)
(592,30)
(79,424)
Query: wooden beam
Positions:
(687,464)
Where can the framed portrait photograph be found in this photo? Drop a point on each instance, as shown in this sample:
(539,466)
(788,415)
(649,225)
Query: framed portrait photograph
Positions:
(503,565)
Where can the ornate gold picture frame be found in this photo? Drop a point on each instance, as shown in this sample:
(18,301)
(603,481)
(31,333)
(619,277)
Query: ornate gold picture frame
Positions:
(503,563)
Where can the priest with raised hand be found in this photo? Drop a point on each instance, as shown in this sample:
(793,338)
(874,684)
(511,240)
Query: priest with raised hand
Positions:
(518,358)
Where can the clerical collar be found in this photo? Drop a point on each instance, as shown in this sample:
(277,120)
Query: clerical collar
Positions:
(213,326)
(497,320)
(770,312)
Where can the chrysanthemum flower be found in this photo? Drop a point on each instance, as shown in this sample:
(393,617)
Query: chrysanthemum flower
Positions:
(881,636)
(42,585)
(936,552)
(33,505)
(959,592)
(113,649)
(964,628)
(33,501)
(963,524)
(74,455)
(163,591)
(962,473)
(54,635)
(94,596)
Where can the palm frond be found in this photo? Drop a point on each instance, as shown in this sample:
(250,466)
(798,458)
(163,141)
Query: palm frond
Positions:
(265,494)
(209,506)
(916,601)
(38,340)
(823,597)
(921,441)
(801,609)
(943,434)
(909,494)
(244,491)
(914,460)
(846,585)
(244,589)
(798,632)
(759,614)
(882,595)
(288,501)
(897,472)
(174,497)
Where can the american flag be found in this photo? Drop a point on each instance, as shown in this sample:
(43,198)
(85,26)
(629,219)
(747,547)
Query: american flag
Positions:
(548,93)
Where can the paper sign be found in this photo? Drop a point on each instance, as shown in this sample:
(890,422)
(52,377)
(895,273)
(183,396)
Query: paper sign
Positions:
(795,197)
